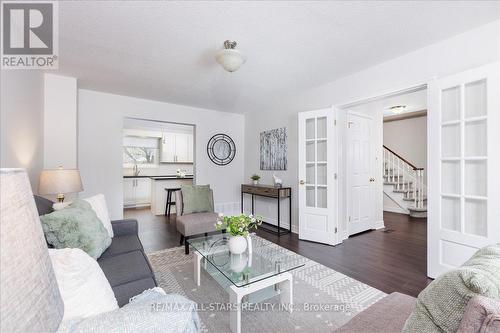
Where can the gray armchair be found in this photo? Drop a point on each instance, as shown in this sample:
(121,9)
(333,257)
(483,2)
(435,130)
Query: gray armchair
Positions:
(189,225)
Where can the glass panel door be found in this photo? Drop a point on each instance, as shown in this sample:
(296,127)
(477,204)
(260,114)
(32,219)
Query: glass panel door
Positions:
(316,162)
(464,158)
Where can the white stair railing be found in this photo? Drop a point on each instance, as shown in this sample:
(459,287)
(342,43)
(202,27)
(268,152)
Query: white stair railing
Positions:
(405,176)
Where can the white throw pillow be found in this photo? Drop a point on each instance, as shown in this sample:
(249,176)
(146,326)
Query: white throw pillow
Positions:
(84,288)
(98,204)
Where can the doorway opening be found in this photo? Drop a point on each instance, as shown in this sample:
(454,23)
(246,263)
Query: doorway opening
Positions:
(158,157)
(385,160)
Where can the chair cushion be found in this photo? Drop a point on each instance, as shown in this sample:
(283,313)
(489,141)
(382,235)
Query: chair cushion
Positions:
(197,223)
(196,199)
(387,315)
(125,267)
(122,244)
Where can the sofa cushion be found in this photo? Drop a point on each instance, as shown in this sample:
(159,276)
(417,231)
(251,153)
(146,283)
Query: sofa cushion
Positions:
(124,292)
(43,206)
(197,223)
(440,306)
(196,199)
(387,315)
(122,244)
(125,267)
(76,226)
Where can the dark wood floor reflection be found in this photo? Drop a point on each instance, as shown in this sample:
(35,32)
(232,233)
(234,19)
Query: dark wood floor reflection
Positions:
(391,259)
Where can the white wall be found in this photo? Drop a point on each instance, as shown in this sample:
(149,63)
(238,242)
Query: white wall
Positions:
(21,131)
(60,122)
(100,128)
(467,50)
(407,138)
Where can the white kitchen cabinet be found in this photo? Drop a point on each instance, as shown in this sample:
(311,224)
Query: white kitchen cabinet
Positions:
(176,148)
(168,148)
(128,192)
(136,192)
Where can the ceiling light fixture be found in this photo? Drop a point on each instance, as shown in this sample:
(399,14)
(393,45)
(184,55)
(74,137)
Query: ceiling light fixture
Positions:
(230,58)
(397,109)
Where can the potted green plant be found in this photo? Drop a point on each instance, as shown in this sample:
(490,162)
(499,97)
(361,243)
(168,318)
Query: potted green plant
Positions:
(255,178)
(238,227)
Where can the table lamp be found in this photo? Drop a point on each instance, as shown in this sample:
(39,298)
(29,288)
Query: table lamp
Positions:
(60,181)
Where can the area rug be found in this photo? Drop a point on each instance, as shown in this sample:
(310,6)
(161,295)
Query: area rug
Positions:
(324,299)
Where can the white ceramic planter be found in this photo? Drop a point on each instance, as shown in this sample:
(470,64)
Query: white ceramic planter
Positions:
(256,182)
(237,244)
(238,262)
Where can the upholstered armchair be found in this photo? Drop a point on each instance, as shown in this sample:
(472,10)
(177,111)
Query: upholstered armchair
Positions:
(193,224)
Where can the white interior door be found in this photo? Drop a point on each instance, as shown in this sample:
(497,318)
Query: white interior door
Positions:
(464,166)
(317,167)
(360,181)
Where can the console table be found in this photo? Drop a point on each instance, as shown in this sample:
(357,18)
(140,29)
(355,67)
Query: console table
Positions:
(269,191)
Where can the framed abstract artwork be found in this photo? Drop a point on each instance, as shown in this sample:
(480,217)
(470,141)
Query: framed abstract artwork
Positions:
(273,149)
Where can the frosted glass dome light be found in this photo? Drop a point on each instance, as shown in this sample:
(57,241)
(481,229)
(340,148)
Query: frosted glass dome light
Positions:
(230,58)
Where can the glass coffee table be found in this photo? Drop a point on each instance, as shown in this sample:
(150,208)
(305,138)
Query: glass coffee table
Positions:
(248,277)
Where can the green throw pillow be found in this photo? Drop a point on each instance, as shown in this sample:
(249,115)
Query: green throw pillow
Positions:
(76,226)
(197,199)
(440,306)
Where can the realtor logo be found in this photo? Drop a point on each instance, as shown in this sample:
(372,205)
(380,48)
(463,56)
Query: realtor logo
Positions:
(29,35)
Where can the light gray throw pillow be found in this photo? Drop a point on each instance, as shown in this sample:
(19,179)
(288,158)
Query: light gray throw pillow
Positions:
(441,306)
(152,311)
(196,199)
(76,226)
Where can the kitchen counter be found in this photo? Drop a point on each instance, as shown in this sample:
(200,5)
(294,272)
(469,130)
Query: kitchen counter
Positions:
(158,193)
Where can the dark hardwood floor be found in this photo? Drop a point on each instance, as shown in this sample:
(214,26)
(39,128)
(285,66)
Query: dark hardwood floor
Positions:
(391,259)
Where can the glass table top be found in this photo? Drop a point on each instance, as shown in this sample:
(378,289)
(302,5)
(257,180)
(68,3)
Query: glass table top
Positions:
(267,260)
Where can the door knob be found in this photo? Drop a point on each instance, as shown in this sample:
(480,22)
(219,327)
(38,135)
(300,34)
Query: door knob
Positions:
(372,179)
(301,182)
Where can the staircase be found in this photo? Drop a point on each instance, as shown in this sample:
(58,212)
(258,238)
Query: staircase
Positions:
(404,184)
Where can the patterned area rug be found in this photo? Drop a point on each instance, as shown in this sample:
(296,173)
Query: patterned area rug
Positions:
(323,298)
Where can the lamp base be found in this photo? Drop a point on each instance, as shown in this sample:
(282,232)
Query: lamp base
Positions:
(60,197)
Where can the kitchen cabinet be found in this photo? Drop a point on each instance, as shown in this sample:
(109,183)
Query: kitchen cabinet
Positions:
(176,148)
(136,192)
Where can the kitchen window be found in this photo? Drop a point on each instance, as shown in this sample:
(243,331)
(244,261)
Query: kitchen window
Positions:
(142,151)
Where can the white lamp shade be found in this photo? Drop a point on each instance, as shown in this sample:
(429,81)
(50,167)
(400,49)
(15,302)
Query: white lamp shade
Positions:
(60,181)
(30,298)
(230,59)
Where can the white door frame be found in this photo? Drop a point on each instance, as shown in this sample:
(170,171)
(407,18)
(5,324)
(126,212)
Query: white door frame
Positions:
(341,116)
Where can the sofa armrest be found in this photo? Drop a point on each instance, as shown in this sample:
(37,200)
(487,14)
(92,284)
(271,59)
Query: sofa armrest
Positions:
(125,227)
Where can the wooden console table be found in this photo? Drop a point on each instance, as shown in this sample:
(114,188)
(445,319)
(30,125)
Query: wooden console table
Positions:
(270,192)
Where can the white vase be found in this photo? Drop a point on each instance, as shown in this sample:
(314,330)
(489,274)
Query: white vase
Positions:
(238,262)
(237,244)
(256,182)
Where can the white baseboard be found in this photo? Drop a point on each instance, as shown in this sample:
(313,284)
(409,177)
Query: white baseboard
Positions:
(379,225)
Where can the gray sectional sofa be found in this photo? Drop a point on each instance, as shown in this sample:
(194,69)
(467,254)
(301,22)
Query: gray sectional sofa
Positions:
(124,262)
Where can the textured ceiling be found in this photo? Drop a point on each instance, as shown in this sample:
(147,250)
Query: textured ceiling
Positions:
(164,50)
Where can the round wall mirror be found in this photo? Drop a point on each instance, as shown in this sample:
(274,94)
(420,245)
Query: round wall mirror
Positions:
(221,149)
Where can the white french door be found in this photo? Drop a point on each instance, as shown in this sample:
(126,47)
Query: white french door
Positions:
(360,181)
(317,167)
(463,167)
